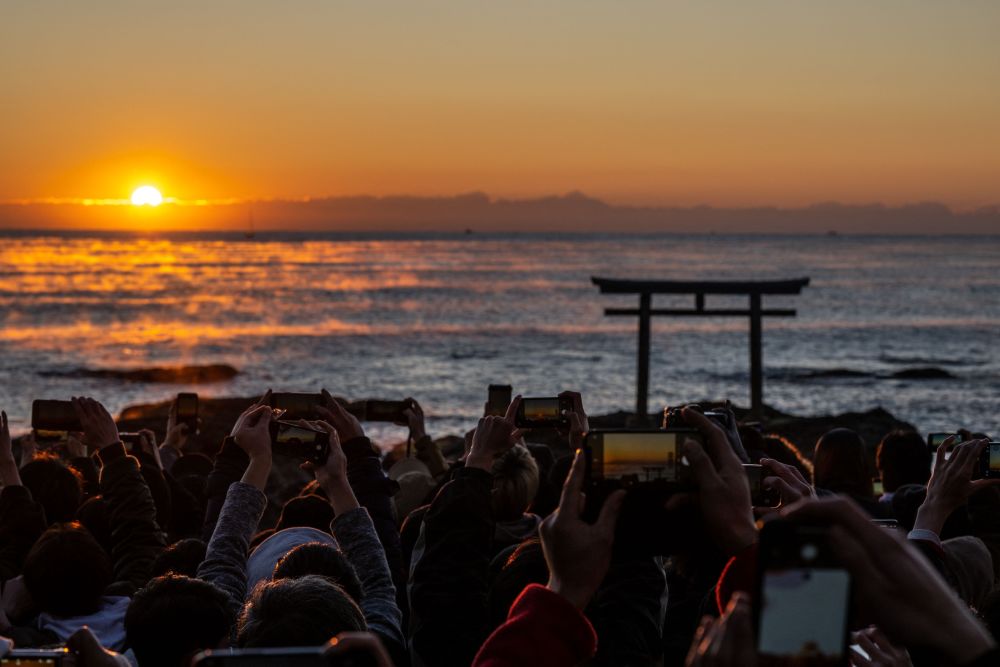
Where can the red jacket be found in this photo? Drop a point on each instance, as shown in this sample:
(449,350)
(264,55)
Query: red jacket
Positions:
(542,628)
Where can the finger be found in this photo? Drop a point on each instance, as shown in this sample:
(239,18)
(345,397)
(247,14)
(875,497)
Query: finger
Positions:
(716,443)
(836,510)
(787,491)
(256,415)
(978,484)
(693,656)
(332,404)
(865,642)
(741,627)
(701,465)
(321,425)
(939,455)
(515,404)
(856,558)
(264,400)
(608,517)
(781,470)
(574,482)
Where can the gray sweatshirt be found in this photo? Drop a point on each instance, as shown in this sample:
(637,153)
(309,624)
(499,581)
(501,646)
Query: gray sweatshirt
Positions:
(225,564)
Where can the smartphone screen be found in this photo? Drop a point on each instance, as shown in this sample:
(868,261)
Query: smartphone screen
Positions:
(541,412)
(634,457)
(34,657)
(935,440)
(299,442)
(993,465)
(804,599)
(498,399)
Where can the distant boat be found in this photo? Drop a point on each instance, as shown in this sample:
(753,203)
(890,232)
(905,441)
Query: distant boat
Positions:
(468,230)
(249,233)
(833,232)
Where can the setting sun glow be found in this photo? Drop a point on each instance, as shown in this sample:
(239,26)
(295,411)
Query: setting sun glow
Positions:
(146,195)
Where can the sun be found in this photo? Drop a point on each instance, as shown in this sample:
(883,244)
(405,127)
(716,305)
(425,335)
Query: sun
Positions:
(146,195)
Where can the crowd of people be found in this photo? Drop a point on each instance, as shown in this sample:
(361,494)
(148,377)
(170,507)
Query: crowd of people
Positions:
(497,555)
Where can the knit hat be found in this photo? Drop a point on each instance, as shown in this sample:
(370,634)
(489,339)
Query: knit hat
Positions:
(260,565)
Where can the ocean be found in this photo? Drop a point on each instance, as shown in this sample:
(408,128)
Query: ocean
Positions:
(439,317)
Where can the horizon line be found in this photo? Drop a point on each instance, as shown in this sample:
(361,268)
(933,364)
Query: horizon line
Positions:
(492,199)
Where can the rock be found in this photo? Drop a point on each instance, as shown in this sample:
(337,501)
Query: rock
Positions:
(175,374)
(927,373)
(833,373)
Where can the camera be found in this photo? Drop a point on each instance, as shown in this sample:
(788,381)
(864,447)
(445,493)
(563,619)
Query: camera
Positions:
(989,462)
(714,410)
(803,600)
(760,496)
(187,411)
(543,412)
(299,442)
(49,415)
(628,458)
(24,657)
(386,411)
(498,399)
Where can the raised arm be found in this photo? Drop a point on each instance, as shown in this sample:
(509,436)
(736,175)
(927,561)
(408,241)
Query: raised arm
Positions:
(448,587)
(225,563)
(355,532)
(368,481)
(136,539)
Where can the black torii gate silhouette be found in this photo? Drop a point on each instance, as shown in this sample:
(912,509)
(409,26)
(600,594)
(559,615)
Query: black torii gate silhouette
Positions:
(754,289)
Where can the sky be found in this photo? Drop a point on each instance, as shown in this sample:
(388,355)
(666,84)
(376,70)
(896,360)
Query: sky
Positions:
(726,103)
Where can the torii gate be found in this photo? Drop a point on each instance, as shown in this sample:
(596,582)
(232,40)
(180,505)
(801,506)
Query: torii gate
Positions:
(754,289)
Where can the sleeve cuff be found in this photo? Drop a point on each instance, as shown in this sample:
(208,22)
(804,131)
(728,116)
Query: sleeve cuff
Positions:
(925,535)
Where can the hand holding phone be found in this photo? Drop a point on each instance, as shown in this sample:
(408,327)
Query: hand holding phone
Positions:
(896,587)
(299,440)
(786,480)
(953,480)
(578,553)
(497,399)
(723,490)
(803,596)
(550,412)
(336,414)
(98,426)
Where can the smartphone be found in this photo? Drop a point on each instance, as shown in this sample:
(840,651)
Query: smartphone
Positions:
(297,405)
(48,415)
(543,412)
(187,411)
(878,488)
(130,440)
(990,461)
(313,656)
(386,411)
(760,496)
(803,599)
(23,657)
(498,399)
(886,523)
(935,440)
(298,442)
(635,457)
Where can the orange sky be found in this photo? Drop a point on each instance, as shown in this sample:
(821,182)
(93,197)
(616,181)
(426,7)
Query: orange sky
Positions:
(726,103)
